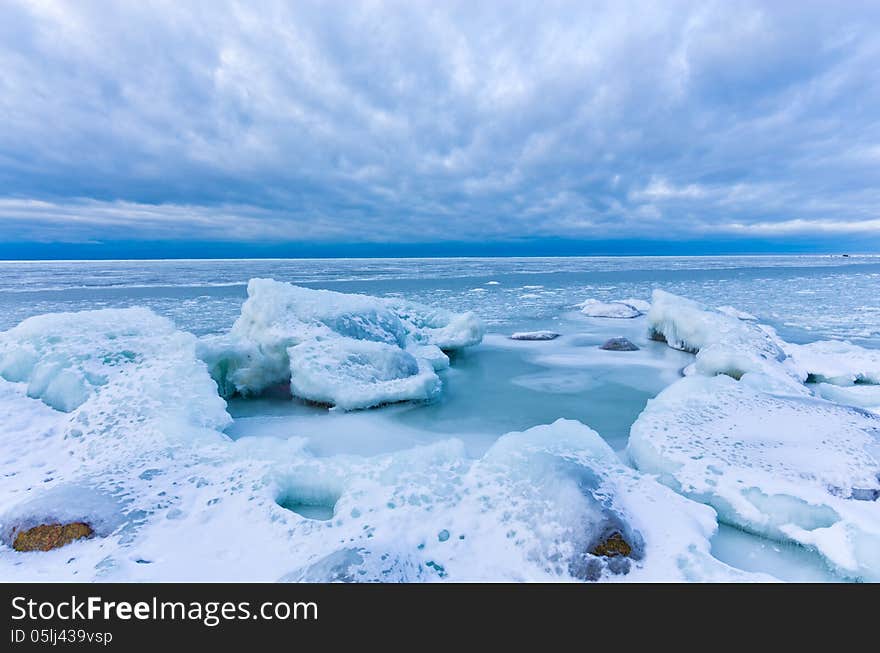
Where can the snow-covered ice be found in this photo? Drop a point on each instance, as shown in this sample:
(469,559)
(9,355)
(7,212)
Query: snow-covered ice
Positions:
(116,417)
(534,335)
(349,351)
(787,467)
(722,344)
(837,362)
(615,309)
(348,373)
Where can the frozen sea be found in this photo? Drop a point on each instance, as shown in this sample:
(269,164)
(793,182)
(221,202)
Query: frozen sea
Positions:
(501,385)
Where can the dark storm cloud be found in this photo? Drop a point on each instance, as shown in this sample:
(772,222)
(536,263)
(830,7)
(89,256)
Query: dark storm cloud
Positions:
(437,121)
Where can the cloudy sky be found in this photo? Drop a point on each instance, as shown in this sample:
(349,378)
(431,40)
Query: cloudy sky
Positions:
(238,127)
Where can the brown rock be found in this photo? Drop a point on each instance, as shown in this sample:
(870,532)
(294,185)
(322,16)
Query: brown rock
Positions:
(613,546)
(46,537)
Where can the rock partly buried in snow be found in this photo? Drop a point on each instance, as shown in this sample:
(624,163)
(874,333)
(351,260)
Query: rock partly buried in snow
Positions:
(618,344)
(837,362)
(278,317)
(616,309)
(787,467)
(613,545)
(46,537)
(534,335)
(543,504)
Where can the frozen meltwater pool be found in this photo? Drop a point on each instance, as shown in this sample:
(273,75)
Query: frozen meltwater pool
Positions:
(499,386)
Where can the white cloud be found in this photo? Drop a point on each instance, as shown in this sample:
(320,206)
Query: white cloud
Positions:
(401,121)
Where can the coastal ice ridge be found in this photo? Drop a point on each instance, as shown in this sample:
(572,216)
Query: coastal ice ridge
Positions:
(744,433)
(136,450)
(343,350)
(723,344)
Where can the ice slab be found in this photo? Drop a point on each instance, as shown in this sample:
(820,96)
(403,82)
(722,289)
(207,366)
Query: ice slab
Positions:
(788,467)
(616,309)
(863,396)
(837,362)
(350,374)
(722,344)
(278,317)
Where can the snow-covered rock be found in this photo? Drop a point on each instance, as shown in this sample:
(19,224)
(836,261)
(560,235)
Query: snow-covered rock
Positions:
(532,508)
(618,344)
(787,467)
(105,397)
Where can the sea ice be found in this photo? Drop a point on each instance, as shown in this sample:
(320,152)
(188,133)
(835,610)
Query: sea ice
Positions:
(863,395)
(532,508)
(787,467)
(534,335)
(837,362)
(349,374)
(321,325)
(616,309)
(735,312)
(723,344)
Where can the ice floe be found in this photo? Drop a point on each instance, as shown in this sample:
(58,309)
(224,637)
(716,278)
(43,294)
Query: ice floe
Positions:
(616,309)
(348,373)
(722,344)
(837,362)
(787,467)
(314,339)
(534,335)
(863,396)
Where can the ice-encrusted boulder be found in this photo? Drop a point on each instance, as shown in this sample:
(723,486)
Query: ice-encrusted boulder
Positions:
(837,362)
(615,309)
(278,317)
(723,344)
(788,467)
(550,503)
(90,400)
